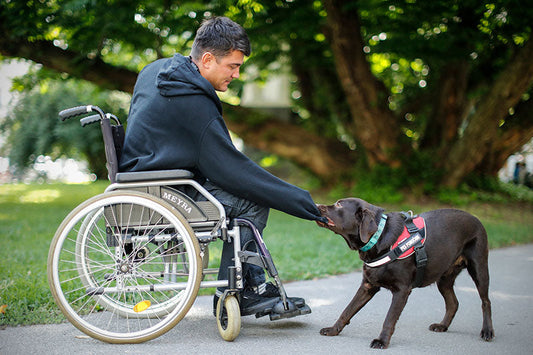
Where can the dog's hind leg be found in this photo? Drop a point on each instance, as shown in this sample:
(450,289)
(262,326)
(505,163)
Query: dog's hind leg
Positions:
(478,268)
(362,296)
(445,285)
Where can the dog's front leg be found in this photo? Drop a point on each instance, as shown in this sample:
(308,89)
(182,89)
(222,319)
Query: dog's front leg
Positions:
(399,300)
(362,296)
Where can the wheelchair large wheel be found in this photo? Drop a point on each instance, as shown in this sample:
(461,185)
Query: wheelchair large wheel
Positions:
(124,267)
(85,251)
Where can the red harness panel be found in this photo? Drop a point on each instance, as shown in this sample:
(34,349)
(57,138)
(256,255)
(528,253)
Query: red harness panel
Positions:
(419,222)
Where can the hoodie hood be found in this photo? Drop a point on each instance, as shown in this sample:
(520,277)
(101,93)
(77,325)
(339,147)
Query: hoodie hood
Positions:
(178,76)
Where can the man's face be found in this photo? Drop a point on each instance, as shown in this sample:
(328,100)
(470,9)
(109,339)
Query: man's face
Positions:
(221,71)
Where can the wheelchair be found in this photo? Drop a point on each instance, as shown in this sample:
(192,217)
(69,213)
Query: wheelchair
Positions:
(126,266)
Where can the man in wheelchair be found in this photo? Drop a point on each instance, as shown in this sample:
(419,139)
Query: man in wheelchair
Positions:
(175,122)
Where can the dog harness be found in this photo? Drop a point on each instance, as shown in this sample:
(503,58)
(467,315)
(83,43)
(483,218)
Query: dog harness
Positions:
(410,241)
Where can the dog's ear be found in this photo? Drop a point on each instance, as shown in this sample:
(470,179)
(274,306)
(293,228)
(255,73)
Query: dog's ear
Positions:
(368,225)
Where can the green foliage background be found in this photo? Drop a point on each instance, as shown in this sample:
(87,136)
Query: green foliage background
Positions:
(35,128)
(406,43)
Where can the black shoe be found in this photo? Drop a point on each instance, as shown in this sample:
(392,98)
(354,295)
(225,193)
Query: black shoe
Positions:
(252,303)
(267,289)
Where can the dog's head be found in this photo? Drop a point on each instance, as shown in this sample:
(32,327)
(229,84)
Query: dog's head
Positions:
(352,218)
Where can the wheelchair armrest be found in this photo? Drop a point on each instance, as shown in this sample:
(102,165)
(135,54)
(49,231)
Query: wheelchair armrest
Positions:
(135,176)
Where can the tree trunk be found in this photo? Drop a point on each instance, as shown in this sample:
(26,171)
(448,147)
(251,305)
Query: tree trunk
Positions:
(448,112)
(374,125)
(483,126)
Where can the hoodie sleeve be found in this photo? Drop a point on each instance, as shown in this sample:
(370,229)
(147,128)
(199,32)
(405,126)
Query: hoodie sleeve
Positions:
(225,166)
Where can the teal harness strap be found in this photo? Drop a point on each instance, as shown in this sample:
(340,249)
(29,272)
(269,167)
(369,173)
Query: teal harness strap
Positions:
(375,237)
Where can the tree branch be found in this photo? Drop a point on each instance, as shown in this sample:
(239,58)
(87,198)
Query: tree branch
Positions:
(44,52)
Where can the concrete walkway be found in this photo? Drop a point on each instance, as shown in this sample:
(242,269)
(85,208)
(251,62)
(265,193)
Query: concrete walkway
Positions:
(511,292)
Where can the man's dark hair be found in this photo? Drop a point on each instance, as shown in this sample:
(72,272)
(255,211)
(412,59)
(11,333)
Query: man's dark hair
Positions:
(220,36)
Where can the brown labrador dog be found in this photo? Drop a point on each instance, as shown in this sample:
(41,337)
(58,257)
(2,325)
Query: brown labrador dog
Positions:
(454,240)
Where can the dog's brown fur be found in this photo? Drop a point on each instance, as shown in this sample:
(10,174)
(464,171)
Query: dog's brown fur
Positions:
(455,240)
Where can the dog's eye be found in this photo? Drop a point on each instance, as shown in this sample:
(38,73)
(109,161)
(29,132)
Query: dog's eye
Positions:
(338,204)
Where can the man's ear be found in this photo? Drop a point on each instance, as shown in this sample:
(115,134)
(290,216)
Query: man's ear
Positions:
(207,59)
(368,225)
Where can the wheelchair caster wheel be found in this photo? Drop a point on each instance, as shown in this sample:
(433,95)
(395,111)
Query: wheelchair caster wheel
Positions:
(228,318)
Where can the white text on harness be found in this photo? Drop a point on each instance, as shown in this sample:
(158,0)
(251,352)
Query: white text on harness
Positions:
(415,239)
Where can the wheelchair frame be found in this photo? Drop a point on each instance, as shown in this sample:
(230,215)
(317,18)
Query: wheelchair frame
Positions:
(126,265)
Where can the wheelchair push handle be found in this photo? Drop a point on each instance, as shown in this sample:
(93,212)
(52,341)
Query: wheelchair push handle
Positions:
(96,118)
(79,110)
(90,119)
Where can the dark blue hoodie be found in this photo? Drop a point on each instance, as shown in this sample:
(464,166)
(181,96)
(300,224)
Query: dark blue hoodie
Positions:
(175,122)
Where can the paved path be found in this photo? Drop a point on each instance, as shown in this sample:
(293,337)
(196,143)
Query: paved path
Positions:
(511,292)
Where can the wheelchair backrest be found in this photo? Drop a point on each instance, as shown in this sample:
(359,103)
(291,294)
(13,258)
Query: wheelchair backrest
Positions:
(113,142)
(113,134)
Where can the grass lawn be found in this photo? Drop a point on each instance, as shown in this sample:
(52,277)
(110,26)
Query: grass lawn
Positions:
(30,214)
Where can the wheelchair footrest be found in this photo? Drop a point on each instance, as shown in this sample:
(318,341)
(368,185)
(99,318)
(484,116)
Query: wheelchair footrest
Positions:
(295,306)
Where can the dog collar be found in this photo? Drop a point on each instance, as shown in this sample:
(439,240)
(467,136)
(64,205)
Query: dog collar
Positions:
(374,239)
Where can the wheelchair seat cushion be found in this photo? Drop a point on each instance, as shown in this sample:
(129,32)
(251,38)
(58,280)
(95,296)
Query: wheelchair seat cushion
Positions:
(135,176)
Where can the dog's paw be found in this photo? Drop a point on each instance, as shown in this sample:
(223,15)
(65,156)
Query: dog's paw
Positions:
(378,344)
(331,331)
(439,328)
(487,334)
